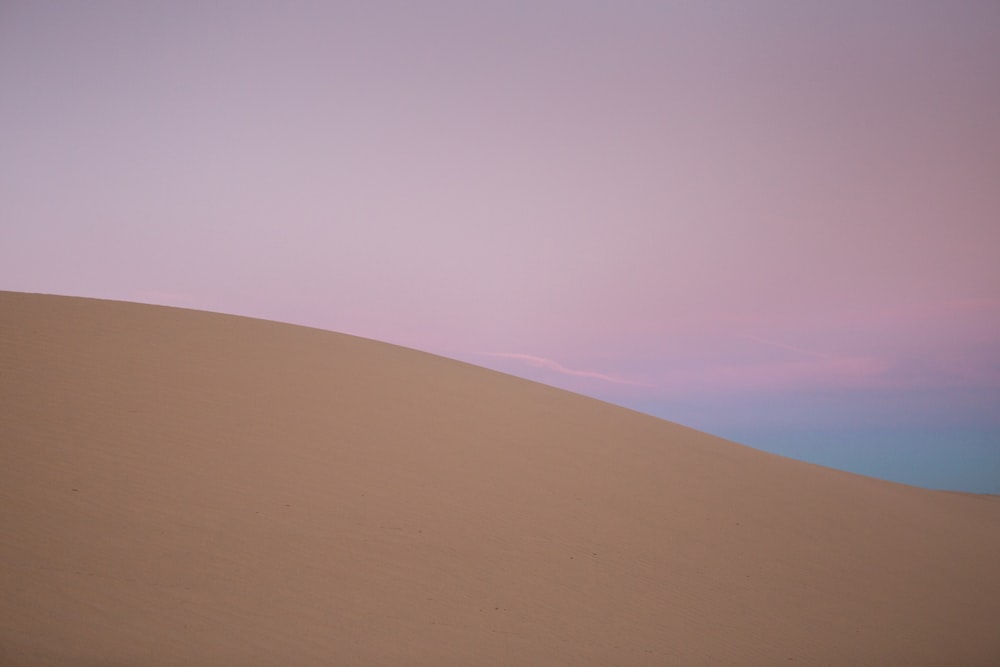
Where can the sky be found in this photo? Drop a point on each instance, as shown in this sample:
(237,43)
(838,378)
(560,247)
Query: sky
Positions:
(776,221)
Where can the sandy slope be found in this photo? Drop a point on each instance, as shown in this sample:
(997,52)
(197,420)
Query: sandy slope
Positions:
(187,488)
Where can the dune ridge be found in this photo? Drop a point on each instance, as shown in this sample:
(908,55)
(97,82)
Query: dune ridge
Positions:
(180,487)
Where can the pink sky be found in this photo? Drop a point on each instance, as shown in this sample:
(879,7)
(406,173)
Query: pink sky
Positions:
(646,202)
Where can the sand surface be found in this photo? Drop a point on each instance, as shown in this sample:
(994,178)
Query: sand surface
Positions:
(187,488)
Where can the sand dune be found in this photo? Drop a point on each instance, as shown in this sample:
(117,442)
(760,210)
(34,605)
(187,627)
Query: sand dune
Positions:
(187,488)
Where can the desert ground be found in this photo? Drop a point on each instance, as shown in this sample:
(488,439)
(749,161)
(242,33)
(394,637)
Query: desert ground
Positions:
(187,488)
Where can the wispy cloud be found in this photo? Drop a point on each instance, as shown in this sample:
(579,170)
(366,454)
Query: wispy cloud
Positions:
(549,364)
(833,372)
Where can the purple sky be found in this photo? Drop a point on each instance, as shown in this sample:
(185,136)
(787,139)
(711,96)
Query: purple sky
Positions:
(775,221)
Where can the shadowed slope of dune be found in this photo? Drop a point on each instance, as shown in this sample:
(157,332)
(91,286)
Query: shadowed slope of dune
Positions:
(187,488)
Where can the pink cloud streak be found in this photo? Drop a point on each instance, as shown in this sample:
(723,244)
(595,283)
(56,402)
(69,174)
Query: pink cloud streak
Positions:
(549,364)
(829,372)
